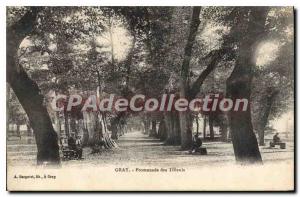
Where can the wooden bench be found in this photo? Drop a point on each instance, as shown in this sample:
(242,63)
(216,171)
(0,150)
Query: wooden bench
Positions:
(69,154)
(280,144)
(199,151)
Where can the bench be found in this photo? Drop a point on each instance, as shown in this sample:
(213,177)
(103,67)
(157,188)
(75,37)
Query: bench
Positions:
(280,144)
(69,154)
(199,151)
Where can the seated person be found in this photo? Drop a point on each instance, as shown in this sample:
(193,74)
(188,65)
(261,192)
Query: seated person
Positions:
(276,139)
(197,143)
(73,146)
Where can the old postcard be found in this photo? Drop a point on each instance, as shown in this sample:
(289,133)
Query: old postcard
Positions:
(150,98)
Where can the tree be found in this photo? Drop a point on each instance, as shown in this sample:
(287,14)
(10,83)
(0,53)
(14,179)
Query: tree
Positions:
(252,26)
(189,51)
(272,93)
(190,86)
(186,120)
(28,92)
(15,113)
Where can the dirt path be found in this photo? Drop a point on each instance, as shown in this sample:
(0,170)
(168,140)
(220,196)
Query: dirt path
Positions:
(137,149)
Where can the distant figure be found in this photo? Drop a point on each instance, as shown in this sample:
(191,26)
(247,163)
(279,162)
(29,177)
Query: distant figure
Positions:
(276,139)
(197,143)
(73,146)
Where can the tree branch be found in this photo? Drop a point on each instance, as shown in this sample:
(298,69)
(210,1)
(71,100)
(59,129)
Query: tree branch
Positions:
(189,45)
(24,26)
(15,34)
(216,56)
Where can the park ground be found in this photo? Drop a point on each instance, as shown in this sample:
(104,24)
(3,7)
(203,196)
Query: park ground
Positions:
(136,148)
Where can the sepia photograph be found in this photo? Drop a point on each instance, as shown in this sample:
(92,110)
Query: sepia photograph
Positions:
(150,98)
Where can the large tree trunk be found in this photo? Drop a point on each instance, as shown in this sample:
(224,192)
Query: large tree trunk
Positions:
(173,128)
(243,138)
(31,100)
(185,117)
(28,92)
(239,86)
(186,125)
